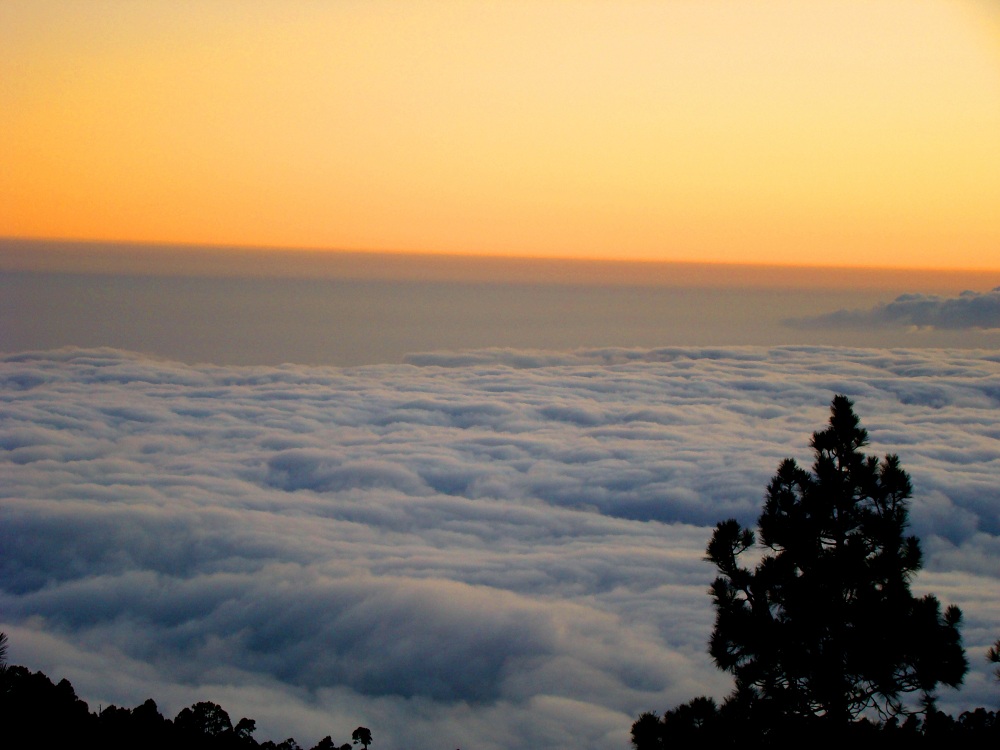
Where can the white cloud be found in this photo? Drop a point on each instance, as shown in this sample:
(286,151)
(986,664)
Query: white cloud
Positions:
(467,548)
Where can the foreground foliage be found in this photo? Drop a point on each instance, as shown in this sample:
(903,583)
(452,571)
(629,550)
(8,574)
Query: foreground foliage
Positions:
(820,631)
(825,624)
(701,723)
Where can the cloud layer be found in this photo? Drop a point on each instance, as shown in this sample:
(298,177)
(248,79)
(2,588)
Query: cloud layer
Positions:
(493,548)
(969,310)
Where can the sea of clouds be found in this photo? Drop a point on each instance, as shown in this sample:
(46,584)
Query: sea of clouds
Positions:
(486,549)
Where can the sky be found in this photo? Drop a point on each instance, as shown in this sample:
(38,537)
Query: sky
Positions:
(834,132)
(496,549)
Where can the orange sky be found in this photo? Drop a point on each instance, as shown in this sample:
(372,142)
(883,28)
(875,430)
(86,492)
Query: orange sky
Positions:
(860,132)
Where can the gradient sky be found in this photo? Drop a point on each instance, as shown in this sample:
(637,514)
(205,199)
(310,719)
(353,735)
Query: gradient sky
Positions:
(828,132)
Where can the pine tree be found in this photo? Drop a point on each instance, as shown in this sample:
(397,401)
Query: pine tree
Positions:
(825,624)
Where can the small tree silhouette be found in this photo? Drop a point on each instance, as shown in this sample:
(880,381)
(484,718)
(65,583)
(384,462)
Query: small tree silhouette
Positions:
(244,729)
(993,655)
(362,736)
(204,719)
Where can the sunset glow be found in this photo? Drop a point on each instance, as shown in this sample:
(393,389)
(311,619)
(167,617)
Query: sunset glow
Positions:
(834,132)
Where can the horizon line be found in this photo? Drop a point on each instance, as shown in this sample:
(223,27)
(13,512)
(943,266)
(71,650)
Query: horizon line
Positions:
(113,257)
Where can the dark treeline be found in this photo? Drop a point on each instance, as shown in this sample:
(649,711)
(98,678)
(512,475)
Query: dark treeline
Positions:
(702,723)
(35,712)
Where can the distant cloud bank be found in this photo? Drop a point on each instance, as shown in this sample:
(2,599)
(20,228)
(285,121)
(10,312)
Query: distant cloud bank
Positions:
(493,549)
(969,310)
